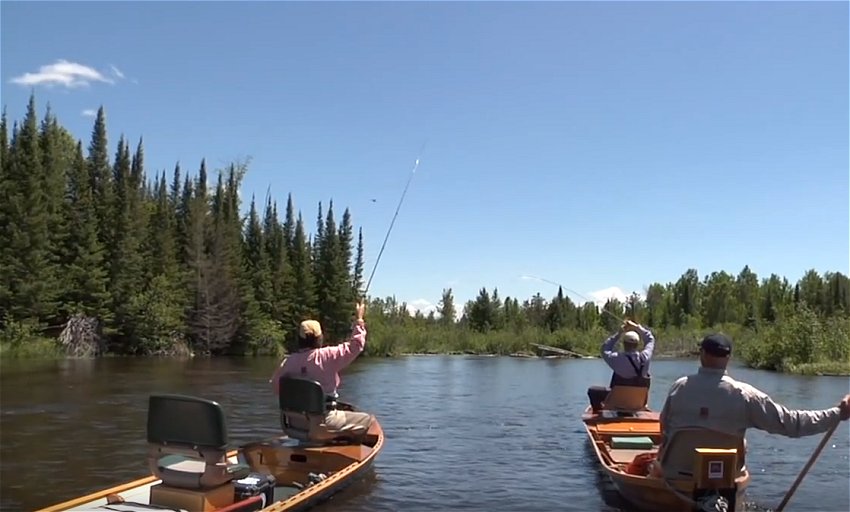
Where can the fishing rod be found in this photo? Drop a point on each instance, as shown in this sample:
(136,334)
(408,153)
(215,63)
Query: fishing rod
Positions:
(615,317)
(392,223)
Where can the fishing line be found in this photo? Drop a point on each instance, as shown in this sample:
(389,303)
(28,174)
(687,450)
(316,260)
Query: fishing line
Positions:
(615,317)
(392,223)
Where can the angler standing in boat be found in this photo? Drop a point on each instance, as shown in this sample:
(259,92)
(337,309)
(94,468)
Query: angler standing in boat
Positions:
(322,364)
(630,367)
(713,400)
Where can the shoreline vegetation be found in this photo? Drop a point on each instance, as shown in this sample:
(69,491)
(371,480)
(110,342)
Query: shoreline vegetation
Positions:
(100,256)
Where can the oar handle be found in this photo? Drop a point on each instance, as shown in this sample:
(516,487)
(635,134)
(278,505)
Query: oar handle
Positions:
(806,468)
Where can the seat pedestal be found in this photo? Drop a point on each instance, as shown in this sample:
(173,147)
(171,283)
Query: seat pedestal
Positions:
(193,500)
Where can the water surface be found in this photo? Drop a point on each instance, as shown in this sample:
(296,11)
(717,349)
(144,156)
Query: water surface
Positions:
(463,433)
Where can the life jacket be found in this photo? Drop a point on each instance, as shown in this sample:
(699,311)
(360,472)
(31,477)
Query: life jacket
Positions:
(640,464)
(637,381)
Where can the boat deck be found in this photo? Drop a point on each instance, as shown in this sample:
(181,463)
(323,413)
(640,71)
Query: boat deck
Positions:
(141,495)
(624,456)
(292,464)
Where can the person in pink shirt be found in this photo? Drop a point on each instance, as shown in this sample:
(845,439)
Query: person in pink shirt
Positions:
(320,363)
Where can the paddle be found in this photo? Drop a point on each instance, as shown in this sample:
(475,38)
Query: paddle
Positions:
(806,468)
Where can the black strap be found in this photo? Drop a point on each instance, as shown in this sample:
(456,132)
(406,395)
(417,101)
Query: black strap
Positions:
(637,369)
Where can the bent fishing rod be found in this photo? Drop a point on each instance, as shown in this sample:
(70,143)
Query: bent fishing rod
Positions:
(612,315)
(392,222)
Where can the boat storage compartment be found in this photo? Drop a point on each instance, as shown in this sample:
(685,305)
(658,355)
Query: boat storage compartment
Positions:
(195,500)
(631,443)
(255,484)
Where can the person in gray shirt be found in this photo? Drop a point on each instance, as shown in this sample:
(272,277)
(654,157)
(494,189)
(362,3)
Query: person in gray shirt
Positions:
(710,399)
(631,366)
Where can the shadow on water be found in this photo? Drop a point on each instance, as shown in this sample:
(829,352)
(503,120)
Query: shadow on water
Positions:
(463,433)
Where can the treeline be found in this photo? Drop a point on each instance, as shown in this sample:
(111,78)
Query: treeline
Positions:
(164,264)
(168,265)
(776,324)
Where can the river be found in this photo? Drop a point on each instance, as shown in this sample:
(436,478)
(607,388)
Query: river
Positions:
(463,433)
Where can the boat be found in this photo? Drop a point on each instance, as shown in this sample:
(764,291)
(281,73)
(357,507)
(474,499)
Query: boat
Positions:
(700,470)
(194,468)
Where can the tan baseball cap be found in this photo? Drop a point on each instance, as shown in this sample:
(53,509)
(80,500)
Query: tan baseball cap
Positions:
(310,327)
(631,337)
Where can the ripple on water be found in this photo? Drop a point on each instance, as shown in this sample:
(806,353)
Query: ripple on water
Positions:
(462,433)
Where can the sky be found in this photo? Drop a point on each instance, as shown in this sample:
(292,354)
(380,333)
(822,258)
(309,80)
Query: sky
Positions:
(604,146)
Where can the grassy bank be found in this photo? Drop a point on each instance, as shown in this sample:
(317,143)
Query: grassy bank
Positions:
(21,340)
(395,340)
(803,344)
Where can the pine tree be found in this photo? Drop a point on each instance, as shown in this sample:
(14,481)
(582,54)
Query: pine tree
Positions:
(256,261)
(26,269)
(122,255)
(278,251)
(289,225)
(100,175)
(348,292)
(57,151)
(161,235)
(6,188)
(333,281)
(357,281)
(446,307)
(305,292)
(4,143)
(83,254)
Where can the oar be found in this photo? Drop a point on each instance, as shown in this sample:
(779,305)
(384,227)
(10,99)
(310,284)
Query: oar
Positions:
(387,237)
(807,467)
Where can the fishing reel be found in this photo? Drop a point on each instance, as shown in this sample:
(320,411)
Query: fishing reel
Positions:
(713,503)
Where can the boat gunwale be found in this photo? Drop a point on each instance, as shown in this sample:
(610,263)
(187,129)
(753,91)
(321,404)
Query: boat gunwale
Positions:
(641,484)
(347,473)
(291,503)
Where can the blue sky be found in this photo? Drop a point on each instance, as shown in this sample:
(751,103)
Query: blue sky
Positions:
(597,145)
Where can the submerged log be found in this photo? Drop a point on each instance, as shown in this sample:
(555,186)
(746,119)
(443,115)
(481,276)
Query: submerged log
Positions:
(547,350)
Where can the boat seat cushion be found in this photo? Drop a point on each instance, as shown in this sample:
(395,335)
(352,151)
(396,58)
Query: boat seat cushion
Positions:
(180,471)
(187,443)
(626,398)
(631,442)
(183,464)
(334,426)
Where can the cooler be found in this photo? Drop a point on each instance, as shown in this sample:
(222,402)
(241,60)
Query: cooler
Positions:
(255,484)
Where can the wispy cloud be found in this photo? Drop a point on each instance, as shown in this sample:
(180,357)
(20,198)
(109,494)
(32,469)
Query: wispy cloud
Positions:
(66,74)
(89,112)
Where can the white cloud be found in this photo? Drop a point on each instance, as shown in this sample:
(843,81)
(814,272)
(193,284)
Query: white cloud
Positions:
(423,305)
(64,73)
(615,292)
(89,112)
(117,72)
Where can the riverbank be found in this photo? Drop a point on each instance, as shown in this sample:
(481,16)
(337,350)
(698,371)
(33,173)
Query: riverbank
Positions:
(802,346)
